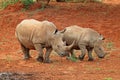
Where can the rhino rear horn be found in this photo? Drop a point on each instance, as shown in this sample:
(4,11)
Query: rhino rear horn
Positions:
(62,31)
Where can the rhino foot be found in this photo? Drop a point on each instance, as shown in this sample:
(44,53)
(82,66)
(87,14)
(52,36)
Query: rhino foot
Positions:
(90,59)
(27,57)
(81,58)
(67,58)
(40,59)
(47,61)
(101,57)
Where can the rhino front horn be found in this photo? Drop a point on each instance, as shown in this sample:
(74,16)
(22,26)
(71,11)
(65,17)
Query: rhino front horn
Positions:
(70,46)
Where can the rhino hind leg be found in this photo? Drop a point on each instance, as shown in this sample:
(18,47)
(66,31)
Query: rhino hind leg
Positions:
(26,52)
(89,49)
(39,49)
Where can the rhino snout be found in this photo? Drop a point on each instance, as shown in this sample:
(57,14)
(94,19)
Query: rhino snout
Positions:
(101,56)
(63,54)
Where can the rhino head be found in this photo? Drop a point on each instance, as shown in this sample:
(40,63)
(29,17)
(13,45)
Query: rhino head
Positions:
(98,47)
(58,45)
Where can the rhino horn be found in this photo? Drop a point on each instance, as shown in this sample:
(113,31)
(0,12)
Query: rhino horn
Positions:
(62,31)
(70,46)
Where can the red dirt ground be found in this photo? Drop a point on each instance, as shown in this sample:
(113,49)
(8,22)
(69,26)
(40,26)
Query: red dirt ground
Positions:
(105,18)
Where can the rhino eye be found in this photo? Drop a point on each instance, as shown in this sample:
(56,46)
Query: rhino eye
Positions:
(100,49)
(55,31)
(58,46)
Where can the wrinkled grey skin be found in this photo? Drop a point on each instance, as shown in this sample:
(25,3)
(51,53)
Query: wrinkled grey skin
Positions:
(85,38)
(36,35)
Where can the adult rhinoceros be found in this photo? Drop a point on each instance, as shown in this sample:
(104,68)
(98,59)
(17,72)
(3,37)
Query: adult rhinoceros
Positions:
(85,38)
(33,34)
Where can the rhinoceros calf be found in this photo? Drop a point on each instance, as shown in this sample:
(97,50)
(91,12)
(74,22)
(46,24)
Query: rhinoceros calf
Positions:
(85,38)
(36,35)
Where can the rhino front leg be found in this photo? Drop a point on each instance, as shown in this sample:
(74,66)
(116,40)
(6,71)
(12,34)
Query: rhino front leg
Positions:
(70,54)
(26,52)
(89,49)
(38,47)
(47,59)
(83,52)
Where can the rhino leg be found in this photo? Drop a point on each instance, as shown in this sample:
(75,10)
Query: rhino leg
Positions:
(89,49)
(70,54)
(83,52)
(38,47)
(48,51)
(26,52)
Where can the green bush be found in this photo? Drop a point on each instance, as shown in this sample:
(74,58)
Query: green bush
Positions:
(4,4)
(27,3)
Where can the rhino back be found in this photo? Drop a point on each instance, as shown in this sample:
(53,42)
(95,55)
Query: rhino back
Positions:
(90,36)
(33,31)
(85,36)
(44,32)
(73,33)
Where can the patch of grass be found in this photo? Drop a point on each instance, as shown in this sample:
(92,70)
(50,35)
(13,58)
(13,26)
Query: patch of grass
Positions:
(73,58)
(92,68)
(43,5)
(83,1)
(8,58)
(27,3)
(109,45)
(5,3)
(97,69)
(108,78)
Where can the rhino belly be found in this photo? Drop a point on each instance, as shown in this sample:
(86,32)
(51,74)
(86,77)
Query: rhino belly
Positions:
(27,43)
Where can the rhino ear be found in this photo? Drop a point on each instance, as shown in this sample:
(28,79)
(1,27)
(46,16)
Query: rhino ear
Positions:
(55,31)
(64,42)
(101,37)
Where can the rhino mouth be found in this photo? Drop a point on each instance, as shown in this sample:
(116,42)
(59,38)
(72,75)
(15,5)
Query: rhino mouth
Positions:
(63,54)
(101,56)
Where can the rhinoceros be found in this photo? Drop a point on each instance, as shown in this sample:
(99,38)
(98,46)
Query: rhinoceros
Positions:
(36,35)
(85,38)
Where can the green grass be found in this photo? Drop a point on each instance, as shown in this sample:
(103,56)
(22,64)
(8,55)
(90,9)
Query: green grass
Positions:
(83,1)
(108,78)
(73,58)
(26,3)
(8,58)
(109,45)
(97,69)
(4,4)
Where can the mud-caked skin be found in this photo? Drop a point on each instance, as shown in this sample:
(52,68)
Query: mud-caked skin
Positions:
(85,39)
(36,35)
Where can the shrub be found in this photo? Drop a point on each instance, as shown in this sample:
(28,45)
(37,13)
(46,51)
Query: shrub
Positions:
(4,4)
(27,3)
